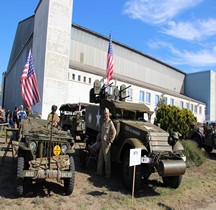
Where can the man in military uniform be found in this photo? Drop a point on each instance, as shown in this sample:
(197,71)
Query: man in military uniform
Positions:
(108,133)
(53,117)
(1,115)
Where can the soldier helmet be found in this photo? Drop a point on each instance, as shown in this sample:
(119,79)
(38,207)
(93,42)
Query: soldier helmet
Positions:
(54,108)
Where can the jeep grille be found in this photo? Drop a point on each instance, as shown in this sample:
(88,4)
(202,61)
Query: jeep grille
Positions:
(42,148)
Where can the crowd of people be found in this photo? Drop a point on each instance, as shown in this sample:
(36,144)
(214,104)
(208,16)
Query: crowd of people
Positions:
(12,118)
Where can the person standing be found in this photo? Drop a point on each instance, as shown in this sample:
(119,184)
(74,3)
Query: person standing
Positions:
(2,118)
(1,115)
(15,117)
(21,113)
(108,133)
(53,117)
(8,116)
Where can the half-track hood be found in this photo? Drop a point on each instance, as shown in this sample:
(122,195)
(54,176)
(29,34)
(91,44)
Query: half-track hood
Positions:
(145,131)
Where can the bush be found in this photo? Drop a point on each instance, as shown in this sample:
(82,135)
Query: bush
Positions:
(195,156)
(173,119)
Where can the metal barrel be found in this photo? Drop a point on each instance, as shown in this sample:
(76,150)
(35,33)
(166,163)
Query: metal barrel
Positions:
(171,167)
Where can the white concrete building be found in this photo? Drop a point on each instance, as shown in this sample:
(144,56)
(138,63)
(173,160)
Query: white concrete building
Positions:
(68,58)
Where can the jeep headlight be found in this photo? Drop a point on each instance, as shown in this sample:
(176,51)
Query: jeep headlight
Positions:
(32,145)
(64,148)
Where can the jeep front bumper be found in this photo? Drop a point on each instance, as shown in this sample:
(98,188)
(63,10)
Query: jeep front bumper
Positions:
(43,174)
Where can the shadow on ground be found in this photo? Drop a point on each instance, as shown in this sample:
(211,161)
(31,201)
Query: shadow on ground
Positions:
(115,183)
(31,189)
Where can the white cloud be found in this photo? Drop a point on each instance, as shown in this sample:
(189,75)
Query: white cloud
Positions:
(206,57)
(157,11)
(196,30)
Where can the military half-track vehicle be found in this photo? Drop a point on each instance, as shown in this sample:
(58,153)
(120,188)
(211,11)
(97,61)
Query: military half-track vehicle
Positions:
(204,135)
(44,152)
(73,118)
(159,151)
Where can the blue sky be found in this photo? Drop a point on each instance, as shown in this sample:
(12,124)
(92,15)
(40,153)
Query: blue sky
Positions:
(181,33)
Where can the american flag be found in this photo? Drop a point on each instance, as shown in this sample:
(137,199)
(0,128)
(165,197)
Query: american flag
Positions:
(109,70)
(29,85)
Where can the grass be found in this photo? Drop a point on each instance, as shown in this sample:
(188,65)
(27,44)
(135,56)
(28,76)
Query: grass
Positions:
(82,206)
(195,156)
(214,170)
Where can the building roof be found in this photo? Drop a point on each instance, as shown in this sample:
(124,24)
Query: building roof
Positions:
(24,33)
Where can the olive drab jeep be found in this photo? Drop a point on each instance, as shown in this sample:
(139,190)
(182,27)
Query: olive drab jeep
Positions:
(44,152)
(72,118)
(204,135)
(160,152)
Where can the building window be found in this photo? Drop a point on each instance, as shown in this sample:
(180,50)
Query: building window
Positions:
(84,79)
(181,104)
(200,110)
(195,108)
(79,78)
(187,106)
(157,97)
(73,76)
(129,94)
(142,96)
(191,107)
(165,100)
(89,80)
(148,98)
(171,102)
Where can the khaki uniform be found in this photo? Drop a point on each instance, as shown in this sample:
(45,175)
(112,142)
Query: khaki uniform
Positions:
(1,116)
(55,119)
(108,133)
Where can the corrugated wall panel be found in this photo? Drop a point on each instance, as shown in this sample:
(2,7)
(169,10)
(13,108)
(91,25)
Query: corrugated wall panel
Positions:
(126,62)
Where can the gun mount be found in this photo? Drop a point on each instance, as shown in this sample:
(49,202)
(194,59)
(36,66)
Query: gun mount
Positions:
(98,92)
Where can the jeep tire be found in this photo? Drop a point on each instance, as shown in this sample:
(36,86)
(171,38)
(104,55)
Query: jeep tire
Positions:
(20,178)
(69,182)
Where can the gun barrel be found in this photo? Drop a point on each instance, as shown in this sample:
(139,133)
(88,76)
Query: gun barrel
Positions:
(125,88)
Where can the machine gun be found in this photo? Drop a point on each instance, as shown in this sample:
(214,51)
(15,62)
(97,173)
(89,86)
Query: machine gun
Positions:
(97,92)
(122,92)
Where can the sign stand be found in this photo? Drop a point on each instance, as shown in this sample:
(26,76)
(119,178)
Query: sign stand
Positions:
(135,159)
(134,173)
